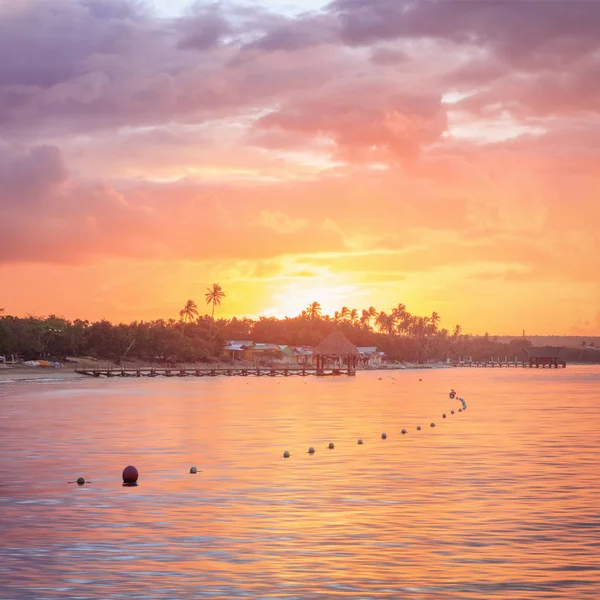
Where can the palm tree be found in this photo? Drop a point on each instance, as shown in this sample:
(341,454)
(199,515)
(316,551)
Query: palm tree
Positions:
(365,319)
(353,316)
(457,331)
(345,313)
(399,311)
(405,319)
(214,296)
(189,311)
(421,327)
(435,319)
(337,316)
(385,322)
(314,310)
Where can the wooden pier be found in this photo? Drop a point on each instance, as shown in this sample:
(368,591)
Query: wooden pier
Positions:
(537,357)
(213,372)
(508,364)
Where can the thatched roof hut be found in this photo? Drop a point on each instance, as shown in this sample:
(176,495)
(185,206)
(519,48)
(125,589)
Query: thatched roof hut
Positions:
(546,356)
(336,344)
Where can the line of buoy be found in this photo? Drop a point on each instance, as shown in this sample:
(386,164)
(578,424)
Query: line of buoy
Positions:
(360,442)
(130,473)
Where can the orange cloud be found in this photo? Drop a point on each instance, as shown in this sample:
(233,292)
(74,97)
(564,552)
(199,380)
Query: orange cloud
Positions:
(440,154)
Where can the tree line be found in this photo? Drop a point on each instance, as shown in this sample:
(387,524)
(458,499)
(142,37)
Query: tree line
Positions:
(195,338)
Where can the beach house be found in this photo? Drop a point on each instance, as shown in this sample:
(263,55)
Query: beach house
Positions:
(234,349)
(262,353)
(370,356)
(304,355)
(289,355)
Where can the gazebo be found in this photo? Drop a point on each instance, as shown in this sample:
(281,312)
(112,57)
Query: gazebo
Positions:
(547,356)
(336,346)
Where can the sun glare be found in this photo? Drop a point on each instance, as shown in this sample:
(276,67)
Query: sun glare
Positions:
(297,296)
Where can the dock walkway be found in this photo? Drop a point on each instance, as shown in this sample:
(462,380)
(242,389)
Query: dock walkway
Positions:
(211,372)
(508,364)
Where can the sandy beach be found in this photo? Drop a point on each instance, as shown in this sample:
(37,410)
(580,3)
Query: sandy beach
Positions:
(21,373)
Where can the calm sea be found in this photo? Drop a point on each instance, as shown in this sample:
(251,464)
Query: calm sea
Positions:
(499,501)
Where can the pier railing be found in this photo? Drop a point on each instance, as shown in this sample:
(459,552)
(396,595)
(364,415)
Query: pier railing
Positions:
(197,371)
(482,364)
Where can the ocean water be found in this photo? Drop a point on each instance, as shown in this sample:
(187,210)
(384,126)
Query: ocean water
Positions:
(498,501)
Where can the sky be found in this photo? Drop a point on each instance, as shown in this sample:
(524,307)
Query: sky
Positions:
(439,154)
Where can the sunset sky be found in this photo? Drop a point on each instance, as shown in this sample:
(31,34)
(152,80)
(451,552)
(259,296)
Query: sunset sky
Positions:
(361,152)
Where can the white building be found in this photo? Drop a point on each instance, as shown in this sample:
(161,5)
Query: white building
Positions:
(234,349)
(370,357)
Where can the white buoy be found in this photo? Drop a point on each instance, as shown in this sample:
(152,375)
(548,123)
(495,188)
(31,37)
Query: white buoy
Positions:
(360,442)
(403,432)
(418,428)
(384,436)
(331,446)
(193,470)
(460,410)
(444,415)
(286,454)
(311,450)
(452,412)
(433,425)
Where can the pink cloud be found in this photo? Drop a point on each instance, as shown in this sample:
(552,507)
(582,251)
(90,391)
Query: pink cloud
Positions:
(237,132)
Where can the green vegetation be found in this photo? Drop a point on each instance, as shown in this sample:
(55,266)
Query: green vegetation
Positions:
(193,338)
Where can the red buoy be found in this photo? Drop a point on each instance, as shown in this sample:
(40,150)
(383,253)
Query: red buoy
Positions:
(130,474)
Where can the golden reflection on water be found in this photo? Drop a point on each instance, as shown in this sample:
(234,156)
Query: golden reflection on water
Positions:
(496,502)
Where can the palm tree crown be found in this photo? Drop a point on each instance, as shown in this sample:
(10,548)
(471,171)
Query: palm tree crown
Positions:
(189,311)
(385,322)
(214,296)
(314,310)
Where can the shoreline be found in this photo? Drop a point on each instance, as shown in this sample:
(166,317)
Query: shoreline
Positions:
(20,373)
(11,374)
(40,374)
